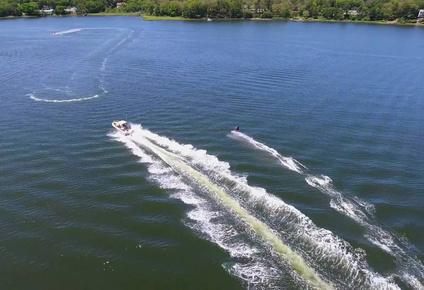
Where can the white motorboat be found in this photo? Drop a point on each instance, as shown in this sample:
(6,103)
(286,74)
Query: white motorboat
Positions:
(123,126)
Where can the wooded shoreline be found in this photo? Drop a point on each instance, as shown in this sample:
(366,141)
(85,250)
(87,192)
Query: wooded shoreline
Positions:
(410,12)
(170,18)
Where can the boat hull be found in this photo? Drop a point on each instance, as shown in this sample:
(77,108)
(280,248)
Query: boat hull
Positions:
(118,125)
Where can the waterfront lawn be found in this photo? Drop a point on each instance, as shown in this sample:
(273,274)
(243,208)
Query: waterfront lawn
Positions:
(115,14)
(162,18)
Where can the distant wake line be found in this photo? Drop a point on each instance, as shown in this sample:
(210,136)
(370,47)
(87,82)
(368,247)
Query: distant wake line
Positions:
(351,208)
(315,255)
(288,162)
(62,101)
(105,60)
(106,50)
(66,32)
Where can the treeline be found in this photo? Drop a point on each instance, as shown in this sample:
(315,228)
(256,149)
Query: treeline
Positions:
(34,8)
(367,10)
(371,10)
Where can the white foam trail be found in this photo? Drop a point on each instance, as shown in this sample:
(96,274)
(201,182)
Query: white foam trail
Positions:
(106,43)
(257,275)
(109,50)
(62,101)
(318,246)
(292,258)
(104,64)
(103,67)
(325,185)
(103,89)
(412,281)
(383,239)
(66,32)
(288,162)
(352,209)
(123,40)
(368,206)
(203,219)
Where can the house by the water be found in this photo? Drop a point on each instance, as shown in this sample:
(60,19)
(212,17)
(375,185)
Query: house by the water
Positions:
(120,4)
(47,11)
(71,10)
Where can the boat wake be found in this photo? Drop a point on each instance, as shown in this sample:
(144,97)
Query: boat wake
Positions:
(32,96)
(64,32)
(288,162)
(126,38)
(411,270)
(113,50)
(77,73)
(273,245)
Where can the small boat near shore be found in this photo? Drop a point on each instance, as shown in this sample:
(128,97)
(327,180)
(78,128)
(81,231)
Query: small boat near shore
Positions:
(123,127)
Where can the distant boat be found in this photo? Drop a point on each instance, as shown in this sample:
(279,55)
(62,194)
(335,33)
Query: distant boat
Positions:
(123,126)
(209,19)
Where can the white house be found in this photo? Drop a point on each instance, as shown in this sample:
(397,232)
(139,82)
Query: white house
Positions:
(47,11)
(421,13)
(253,9)
(71,10)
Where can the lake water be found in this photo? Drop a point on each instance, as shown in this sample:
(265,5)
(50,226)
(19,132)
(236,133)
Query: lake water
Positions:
(322,187)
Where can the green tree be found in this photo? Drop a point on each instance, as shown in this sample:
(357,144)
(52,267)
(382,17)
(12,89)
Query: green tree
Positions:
(408,10)
(60,10)
(333,13)
(81,6)
(194,9)
(10,9)
(268,4)
(42,3)
(139,5)
(259,5)
(267,14)
(345,5)
(312,8)
(363,12)
(281,10)
(94,6)
(236,8)
(387,11)
(220,9)
(171,8)
(31,9)
(64,3)
(247,14)
(3,10)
